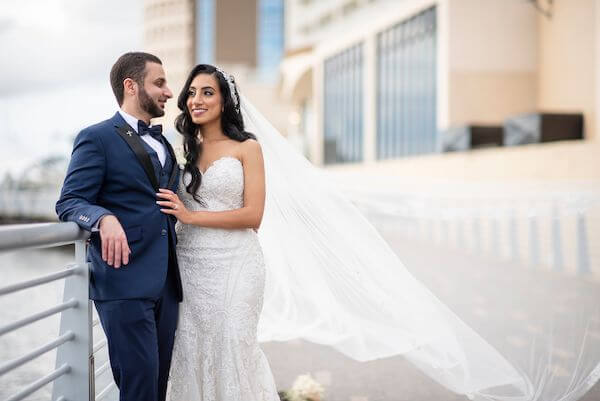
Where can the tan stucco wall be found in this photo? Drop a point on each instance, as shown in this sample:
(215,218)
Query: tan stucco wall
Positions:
(496,58)
(235,35)
(568,67)
(492,60)
(488,97)
(569,160)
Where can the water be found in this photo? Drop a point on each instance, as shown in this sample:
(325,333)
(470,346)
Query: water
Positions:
(19,266)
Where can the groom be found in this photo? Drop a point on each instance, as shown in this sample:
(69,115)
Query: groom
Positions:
(116,169)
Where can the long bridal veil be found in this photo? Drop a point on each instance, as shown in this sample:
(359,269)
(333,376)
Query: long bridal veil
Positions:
(333,279)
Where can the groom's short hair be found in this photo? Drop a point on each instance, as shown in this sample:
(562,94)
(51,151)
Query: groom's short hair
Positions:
(130,65)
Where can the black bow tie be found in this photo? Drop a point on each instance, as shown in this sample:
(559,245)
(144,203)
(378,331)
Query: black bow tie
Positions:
(155,131)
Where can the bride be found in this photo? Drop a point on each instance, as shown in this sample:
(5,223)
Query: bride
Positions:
(219,208)
(324,273)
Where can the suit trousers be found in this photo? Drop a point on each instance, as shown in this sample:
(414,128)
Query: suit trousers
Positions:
(140,335)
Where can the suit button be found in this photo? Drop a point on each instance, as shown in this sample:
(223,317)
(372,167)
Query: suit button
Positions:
(163,232)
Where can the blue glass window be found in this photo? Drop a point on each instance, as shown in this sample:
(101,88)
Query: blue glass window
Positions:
(343,119)
(270,37)
(205,31)
(406,87)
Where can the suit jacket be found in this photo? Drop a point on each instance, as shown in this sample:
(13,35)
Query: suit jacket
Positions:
(111,173)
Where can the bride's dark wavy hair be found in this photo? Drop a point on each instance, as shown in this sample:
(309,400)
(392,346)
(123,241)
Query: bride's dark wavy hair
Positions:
(232,124)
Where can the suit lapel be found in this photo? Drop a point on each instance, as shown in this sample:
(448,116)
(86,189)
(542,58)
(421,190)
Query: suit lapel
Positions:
(134,142)
(175,168)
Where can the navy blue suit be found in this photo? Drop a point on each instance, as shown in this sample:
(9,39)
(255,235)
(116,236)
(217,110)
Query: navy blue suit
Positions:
(113,171)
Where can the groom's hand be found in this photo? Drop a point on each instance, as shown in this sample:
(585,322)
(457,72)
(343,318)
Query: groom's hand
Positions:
(115,249)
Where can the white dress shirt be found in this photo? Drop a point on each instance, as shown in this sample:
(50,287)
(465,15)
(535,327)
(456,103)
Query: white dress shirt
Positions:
(158,147)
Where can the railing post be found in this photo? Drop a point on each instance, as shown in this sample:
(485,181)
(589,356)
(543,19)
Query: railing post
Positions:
(477,239)
(557,251)
(445,234)
(513,237)
(461,241)
(78,384)
(534,242)
(583,255)
(495,237)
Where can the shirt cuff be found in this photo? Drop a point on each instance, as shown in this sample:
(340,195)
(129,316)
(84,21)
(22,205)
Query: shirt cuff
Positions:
(95,227)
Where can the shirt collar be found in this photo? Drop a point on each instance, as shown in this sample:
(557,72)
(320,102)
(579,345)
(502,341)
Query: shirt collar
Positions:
(129,119)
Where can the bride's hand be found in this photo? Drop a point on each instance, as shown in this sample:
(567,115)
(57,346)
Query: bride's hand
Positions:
(173,205)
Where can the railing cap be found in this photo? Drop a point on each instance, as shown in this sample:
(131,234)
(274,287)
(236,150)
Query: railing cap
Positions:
(19,236)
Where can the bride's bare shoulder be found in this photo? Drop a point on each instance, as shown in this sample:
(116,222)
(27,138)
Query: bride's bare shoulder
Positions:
(250,147)
(251,153)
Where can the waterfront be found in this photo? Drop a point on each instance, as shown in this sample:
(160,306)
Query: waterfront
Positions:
(510,307)
(19,266)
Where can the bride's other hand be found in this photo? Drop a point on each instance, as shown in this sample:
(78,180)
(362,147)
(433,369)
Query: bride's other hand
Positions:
(173,205)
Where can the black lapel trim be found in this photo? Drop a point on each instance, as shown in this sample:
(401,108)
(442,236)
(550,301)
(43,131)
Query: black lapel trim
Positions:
(175,167)
(133,140)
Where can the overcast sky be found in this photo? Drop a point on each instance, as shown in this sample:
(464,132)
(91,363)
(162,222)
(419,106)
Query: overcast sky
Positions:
(56,57)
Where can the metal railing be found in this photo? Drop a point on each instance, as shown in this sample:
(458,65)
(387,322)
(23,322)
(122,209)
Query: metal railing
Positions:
(74,375)
(549,235)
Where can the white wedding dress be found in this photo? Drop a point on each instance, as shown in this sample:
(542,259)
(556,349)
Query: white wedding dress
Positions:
(216,356)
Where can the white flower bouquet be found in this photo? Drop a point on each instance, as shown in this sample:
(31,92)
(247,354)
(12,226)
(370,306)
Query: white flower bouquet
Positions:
(305,388)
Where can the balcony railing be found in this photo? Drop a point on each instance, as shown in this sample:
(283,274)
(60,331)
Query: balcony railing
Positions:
(74,375)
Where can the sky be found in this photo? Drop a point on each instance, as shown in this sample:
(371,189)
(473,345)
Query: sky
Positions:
(54,73)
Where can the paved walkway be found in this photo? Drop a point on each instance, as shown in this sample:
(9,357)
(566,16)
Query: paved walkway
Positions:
(512,306)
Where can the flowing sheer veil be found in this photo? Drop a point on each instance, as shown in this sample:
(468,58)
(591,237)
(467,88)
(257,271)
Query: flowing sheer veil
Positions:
(333,280)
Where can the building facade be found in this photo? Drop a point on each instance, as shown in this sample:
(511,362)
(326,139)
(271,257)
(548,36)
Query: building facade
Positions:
(380,83)
(169,31)
(243,37)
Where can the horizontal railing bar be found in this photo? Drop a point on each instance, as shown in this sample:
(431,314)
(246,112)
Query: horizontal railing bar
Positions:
(48,278)
(102,368)
(99,345)
(38,316)
(104,392)
(15,363)
(38,384)
(19,236)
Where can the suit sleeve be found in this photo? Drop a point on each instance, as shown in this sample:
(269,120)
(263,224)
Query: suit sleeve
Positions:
(83,182)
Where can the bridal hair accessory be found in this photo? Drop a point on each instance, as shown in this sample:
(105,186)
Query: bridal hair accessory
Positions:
(232,87)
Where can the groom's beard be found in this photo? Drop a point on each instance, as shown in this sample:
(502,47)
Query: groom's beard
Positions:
(149,105)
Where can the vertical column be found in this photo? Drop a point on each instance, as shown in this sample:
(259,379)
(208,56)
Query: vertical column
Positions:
(394,84)
(442,65)
(316,143)
(369,87)
(204,31)
(597,69)
(77,353)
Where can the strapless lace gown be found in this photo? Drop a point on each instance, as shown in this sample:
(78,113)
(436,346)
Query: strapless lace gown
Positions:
(216,356)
